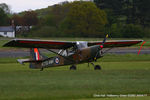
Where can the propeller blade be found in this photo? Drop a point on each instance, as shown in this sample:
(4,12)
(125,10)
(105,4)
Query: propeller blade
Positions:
(105,39)
(101,46)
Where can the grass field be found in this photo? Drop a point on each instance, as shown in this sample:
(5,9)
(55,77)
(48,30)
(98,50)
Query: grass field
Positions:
(120,74)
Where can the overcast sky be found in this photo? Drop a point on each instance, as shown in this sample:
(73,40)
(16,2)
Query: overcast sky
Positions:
(22,5)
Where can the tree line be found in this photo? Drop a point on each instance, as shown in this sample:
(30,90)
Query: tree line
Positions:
(119,18)
(127,18)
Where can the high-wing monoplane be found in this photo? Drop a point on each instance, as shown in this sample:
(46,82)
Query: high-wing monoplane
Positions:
(68,53)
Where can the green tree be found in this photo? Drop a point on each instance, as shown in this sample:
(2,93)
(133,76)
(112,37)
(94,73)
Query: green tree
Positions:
(115,31)
(84,19)
(18,20)
(57,14)
(143,12)
(3,18)
(5,7)
(30,18)
(113,8)
(55,17)
(132,31)
(138,12)
(127,15)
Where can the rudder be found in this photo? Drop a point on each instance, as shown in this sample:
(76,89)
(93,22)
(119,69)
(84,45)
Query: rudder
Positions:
(37,56)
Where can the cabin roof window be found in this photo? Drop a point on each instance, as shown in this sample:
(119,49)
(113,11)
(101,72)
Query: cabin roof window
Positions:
(81,44)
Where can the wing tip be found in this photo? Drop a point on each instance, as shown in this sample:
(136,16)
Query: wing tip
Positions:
(10,43)
(141,41)
(6,44)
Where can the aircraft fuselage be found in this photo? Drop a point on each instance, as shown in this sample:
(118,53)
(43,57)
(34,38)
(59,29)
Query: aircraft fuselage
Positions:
(83,55)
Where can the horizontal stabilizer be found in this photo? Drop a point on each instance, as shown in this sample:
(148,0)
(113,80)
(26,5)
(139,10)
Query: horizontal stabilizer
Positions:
(22,61)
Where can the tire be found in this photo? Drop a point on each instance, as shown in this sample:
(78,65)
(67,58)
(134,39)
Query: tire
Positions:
(73,67)
(97,67)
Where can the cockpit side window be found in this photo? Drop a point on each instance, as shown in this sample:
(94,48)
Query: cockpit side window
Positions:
(67,52)
(63,52)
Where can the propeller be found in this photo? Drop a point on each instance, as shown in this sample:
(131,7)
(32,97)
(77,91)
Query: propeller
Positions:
(101,47)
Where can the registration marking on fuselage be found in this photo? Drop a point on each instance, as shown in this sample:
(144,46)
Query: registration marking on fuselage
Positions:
(48,62)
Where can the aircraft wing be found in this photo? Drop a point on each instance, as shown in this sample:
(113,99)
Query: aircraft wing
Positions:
(33,43)
(116,43)
(47,44)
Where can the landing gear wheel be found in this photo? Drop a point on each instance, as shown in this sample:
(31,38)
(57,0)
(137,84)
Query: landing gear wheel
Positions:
(73,67)
(97,67)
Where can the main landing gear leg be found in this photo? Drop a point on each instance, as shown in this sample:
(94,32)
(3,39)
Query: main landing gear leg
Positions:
(42,69)
(73,67)
(96,67)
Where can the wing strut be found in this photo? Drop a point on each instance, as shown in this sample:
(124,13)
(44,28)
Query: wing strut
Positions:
(60,55)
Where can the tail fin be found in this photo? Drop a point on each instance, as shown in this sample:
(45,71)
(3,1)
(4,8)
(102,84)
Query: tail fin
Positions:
(36,56)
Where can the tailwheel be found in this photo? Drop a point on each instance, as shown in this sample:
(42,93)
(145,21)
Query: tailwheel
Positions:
(97,67)
(73,67)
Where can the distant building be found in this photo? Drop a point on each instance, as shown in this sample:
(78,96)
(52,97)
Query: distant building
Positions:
(7,31)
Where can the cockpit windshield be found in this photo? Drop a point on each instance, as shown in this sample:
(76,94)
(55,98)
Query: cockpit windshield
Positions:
(72,50)
(81,44)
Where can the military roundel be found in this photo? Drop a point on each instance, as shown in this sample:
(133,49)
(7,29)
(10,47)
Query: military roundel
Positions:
(57,60)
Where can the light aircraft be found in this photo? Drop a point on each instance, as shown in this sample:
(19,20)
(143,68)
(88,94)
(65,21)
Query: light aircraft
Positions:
(70,53)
